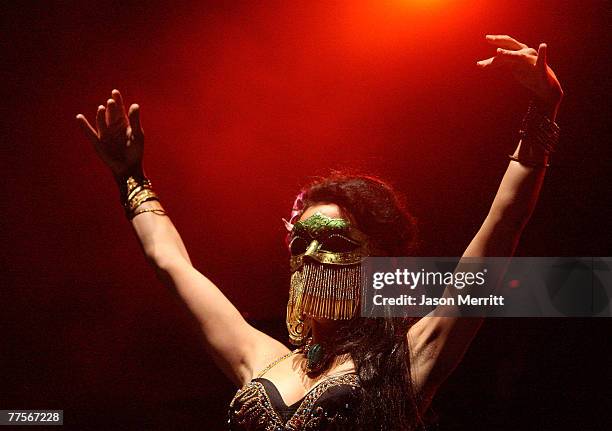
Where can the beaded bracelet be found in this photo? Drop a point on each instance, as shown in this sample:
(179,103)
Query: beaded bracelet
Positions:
(539,129)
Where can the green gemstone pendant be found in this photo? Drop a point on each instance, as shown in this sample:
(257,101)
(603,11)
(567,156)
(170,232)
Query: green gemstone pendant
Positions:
(315,353)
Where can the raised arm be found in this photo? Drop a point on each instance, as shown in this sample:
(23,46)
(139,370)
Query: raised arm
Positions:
(238,348)
(438,343)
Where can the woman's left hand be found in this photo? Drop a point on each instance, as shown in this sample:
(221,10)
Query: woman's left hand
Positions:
(529,67)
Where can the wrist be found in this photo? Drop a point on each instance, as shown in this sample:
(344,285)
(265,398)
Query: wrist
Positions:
(530,155)
(138,191)
(136,171)
(549,106)
(134,190)
(539,135)
(121,179)
(550,110)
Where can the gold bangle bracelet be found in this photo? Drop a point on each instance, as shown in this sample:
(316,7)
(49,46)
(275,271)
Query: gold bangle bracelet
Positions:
(157,211)
(138,191)
(142,199)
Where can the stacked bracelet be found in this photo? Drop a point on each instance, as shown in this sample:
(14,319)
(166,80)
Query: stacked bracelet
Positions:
(537,129)
(138,191)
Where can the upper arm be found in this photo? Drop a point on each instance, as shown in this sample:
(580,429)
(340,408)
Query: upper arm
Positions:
(437,343)
(238,348)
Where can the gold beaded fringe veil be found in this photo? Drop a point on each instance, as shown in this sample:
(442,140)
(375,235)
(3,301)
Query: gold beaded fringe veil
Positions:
(321,291)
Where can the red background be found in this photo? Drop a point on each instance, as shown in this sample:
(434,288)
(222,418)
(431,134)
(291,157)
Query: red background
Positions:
(242,103)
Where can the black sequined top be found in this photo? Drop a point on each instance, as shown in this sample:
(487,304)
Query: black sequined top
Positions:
(330,405)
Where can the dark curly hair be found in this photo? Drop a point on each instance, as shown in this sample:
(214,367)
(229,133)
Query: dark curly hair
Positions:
(377,346)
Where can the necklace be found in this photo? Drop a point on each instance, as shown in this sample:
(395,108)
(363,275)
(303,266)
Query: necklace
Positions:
(313,352)
(282,358)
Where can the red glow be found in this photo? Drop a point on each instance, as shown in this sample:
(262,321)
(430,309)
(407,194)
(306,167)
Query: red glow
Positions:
(397,25)
(242,102)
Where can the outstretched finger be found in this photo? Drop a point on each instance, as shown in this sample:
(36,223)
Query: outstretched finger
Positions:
(502,58)
(134,117)
(486,63)
(119,100)
(541,61)
(113,114)
(504,41)
(492,62)
(509,53)
(101,120)
(89,131)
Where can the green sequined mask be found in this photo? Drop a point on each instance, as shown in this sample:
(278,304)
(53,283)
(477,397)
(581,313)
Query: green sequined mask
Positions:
(326,240)
(326,273)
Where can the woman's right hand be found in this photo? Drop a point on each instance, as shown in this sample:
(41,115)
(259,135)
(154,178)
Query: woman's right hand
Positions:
(118,138)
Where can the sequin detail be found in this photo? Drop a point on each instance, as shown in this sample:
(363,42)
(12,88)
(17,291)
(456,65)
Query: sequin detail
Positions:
(252,410)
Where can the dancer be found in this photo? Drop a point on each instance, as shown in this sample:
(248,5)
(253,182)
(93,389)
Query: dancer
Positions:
(348,372)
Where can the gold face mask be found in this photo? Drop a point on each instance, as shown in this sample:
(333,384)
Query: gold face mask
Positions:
(325,265)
